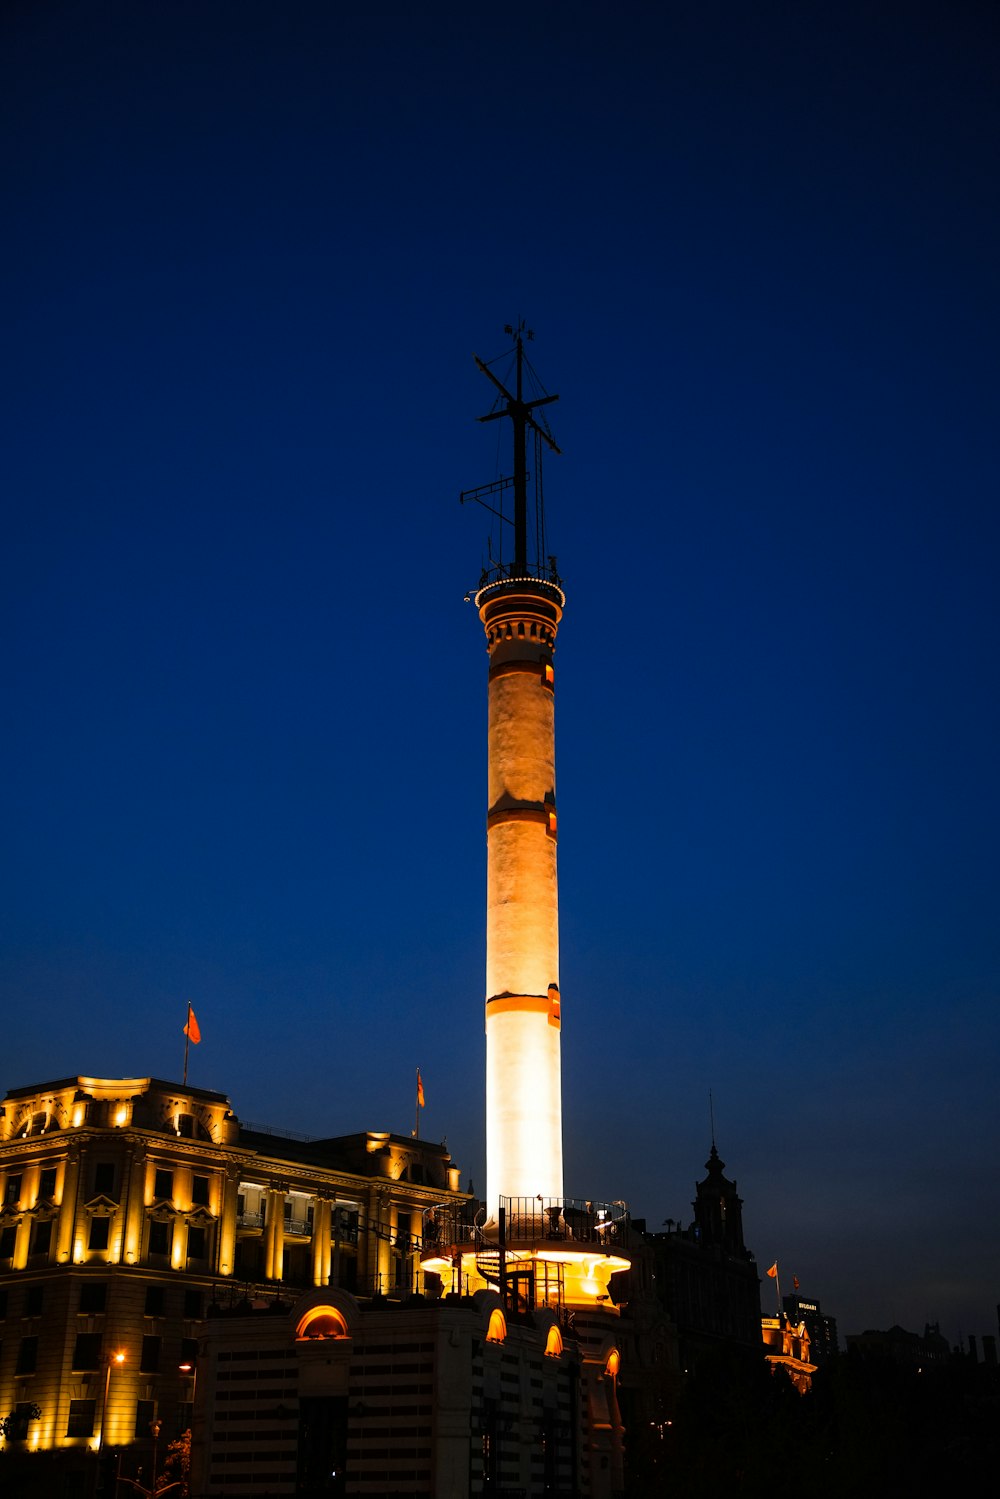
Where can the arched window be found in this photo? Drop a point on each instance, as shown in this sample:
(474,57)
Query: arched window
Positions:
(497,1330)
(554,1342)
(322,1322)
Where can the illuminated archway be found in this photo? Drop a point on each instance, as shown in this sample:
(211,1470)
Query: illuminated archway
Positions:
(497,1330)
(322,1322)
(613,1364)
(554,1342)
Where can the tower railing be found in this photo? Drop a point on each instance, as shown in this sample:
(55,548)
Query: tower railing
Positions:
(506,572)
(568,1221)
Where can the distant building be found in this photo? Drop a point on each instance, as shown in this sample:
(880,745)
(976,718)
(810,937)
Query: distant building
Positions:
(822,1330)
(905,1348)
(786,1346)
(705,1275)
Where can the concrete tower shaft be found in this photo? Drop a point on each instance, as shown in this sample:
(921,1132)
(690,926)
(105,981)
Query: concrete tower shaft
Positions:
(523,1064)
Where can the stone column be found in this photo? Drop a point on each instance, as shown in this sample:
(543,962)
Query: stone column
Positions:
(321,1241)
(274,1234)
(226,1235)
(67,1206)
(135,1203)
(416,1229)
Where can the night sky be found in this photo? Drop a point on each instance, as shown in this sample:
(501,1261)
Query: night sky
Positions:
(248,252)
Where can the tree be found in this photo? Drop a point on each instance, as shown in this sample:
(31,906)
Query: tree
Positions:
(14,1426)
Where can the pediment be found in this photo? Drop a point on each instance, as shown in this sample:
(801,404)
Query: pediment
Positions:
(100,1206)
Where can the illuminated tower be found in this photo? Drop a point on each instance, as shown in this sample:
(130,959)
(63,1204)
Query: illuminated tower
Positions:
(520,604)
(532,1244)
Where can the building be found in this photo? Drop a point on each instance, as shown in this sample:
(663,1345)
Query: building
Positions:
(786,1346)
(822,1330)
(131,1205)
(705,1275)
(907,1349)
(327,1395)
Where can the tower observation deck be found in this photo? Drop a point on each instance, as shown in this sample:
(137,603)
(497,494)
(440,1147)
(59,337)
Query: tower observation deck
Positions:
(529,1229)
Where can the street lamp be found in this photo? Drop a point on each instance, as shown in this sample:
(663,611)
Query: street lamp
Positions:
(112,1359)
(154,1427)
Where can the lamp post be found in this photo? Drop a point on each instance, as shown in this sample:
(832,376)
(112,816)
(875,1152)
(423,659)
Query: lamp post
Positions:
(112,1360)
(154,1427)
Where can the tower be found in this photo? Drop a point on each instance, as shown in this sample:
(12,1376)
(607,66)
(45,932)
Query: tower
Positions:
(535,1249)
(520,604)
(531,1242)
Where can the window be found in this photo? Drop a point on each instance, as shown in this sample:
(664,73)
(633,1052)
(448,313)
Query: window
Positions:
(196,1243)
(13,1191)
(33,1301)
(41,1239)
(93,1296)
(81,1418)
(23,1414)
(192,1303)
(155,1301)
(145,1412)
(47,1183)
(150,1361)
(185,1126)
(87,1353)
(27,1356)
(104,1179)
(189,1351)
(199,1191)
(7,1238)
(100,1229)
(163,1184)
(3,1303)
(159,1237)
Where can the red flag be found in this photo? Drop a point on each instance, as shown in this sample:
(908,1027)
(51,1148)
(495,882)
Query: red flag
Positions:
(192,1030)
(420,1091)
(773,1272)
(795,1281)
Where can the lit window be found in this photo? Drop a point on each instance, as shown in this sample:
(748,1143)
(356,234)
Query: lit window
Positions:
(322,1322)
(497,1330)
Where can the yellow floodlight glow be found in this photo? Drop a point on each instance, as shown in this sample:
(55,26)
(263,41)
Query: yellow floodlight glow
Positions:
(497,1330)
(322,1322)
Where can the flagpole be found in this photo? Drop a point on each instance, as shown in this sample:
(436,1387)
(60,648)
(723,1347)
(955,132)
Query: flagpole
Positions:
(777,1287)
(187,1043)
(416,1110)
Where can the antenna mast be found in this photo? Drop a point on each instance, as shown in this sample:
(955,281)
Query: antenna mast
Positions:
(520,412)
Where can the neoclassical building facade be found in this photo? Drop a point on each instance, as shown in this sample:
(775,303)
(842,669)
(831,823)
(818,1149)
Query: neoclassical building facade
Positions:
(130,1207)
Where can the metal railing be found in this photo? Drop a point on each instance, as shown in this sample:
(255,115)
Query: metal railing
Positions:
(571,1220)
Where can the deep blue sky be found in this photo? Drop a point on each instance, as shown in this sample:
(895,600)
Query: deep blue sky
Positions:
(248,251)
